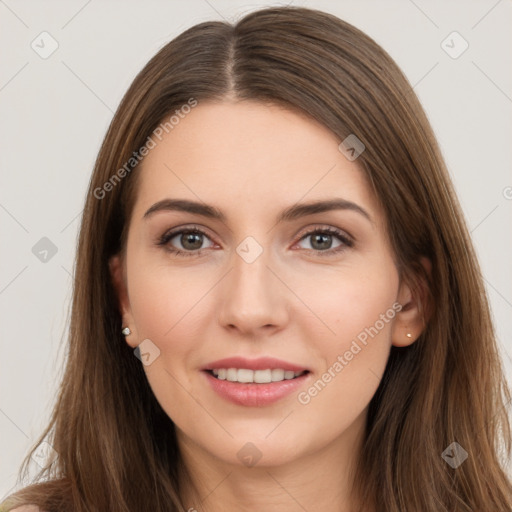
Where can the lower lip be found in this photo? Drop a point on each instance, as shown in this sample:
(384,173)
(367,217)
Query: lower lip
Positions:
(255,395)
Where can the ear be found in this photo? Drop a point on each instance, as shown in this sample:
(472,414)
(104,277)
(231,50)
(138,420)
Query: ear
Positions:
(118,276)
(412,319)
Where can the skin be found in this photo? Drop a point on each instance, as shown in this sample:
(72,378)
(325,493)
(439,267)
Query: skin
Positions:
(251,161)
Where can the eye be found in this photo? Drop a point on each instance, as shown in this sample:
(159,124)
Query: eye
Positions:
(190,239)
(322,241)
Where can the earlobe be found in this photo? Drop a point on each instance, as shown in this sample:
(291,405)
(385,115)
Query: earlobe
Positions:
(119,283)
(411,320)
(405,329)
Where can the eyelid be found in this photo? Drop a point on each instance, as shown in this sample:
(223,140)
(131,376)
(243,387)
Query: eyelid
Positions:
(311,229)
(171,233)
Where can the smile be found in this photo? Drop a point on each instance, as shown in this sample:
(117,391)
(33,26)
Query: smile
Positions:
(245,375)
(250,393)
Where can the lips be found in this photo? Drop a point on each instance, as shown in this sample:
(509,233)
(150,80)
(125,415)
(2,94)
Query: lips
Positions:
(246,381)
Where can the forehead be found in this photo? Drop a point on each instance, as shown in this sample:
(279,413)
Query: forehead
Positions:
(246,156)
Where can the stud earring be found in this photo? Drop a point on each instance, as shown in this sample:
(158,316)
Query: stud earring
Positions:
(409,335)
(126,331)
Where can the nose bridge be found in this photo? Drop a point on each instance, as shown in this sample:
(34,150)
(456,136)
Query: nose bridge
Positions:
(252,297)
(250,275)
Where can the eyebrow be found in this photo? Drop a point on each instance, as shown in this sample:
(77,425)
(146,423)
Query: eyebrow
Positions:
(291,213)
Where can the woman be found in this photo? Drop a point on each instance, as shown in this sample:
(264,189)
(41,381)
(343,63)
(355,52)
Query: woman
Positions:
(277,304)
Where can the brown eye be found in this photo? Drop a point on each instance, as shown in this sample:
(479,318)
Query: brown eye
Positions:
(184,242)
(322,241)
(191,241)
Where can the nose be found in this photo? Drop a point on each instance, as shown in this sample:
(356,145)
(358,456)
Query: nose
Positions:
(253,300)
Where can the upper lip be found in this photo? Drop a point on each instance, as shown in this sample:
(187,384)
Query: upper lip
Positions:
(261,363)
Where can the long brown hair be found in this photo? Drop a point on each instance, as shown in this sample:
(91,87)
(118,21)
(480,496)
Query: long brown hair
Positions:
(116,446)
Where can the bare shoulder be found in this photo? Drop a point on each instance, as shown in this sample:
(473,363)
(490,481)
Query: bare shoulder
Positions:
(27,508)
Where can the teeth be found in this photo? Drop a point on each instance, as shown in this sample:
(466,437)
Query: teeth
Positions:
(262,376)
(245,375)
(277,375)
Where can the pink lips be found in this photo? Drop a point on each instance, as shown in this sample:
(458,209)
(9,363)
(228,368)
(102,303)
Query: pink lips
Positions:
(252,394)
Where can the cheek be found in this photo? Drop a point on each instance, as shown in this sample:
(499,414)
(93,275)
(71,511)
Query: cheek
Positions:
(357,310)
(346,302)
(164,300)
(167,309)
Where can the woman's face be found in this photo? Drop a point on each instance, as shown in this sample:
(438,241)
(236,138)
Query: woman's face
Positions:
(258,285)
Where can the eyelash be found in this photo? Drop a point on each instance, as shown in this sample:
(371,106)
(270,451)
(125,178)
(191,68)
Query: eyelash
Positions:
(166,237)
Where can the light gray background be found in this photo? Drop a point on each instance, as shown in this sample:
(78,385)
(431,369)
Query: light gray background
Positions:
(54,113)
